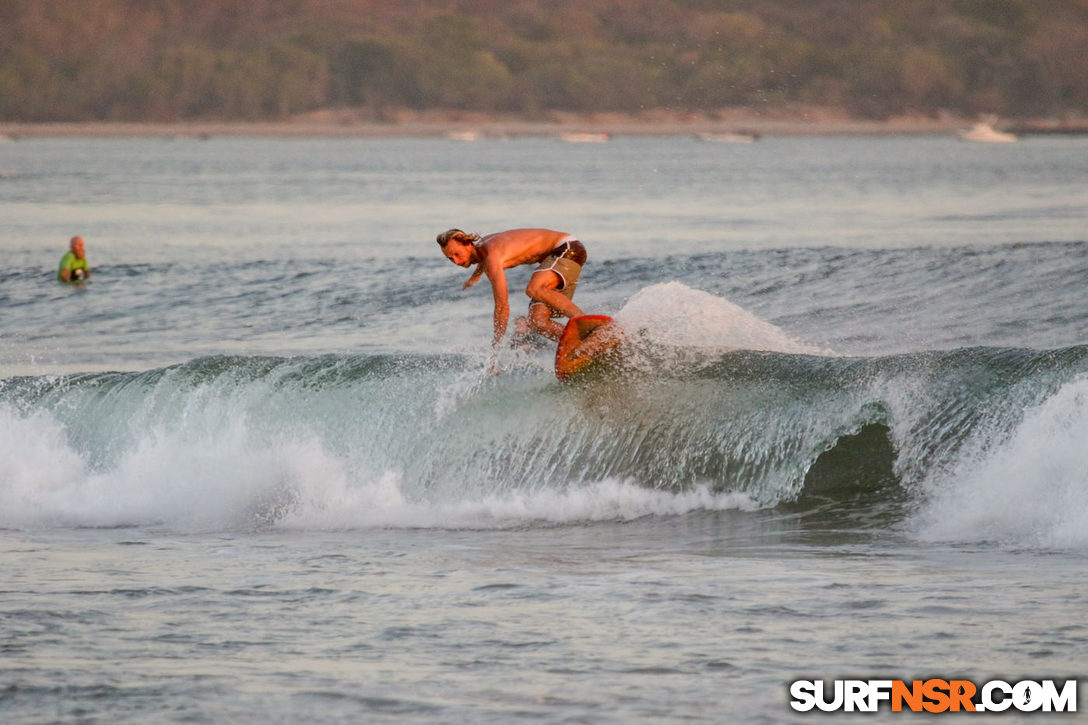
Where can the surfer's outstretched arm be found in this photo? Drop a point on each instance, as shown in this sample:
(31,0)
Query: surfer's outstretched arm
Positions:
(502,302)
(501,318)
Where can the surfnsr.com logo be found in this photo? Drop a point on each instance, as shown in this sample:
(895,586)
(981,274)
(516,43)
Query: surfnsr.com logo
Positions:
(934,695)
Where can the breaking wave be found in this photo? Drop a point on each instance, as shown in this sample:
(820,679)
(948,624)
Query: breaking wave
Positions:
(978,443)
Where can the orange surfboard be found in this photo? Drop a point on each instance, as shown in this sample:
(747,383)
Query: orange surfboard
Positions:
(584,340)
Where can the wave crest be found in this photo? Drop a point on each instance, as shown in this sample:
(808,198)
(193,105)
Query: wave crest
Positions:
(424,440)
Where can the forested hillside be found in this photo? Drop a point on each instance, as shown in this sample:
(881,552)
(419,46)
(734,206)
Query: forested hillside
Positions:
(165,60)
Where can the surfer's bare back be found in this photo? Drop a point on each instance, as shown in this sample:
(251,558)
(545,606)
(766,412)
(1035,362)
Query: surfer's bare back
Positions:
(559,257)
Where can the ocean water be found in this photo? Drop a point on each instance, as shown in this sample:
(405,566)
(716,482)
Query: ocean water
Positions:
(255,470)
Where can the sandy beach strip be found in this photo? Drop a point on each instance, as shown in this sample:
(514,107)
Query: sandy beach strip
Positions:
(469,126)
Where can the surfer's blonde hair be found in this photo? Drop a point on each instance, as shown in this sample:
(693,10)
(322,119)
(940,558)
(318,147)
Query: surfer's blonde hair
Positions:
(456,235)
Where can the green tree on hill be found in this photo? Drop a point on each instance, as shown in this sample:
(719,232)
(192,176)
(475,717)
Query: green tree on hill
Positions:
(249,59)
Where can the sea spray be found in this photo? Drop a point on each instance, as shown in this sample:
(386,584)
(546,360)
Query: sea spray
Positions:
(36,466)
(382,503)
(229,480)
(675,315)
(1025,486)
(432,440)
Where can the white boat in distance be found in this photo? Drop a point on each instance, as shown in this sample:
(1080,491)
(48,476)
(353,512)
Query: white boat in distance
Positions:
(467,136)
(584,137)
(731,137)
(983,132)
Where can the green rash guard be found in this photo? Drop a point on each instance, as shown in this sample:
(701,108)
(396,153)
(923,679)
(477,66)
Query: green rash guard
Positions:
(69,262)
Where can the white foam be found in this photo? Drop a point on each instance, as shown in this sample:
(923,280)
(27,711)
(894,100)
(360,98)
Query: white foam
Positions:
(36,465)
(676,315)
(213,480)
(383,504)
(1027,489)
(231,477)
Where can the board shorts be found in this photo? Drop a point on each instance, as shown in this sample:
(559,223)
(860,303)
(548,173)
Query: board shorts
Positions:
(566,260)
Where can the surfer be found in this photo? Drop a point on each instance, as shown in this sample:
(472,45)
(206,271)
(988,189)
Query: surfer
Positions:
(73,265)
(559,258)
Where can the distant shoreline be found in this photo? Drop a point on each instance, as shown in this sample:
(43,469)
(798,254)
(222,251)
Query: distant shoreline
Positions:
(469,126)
